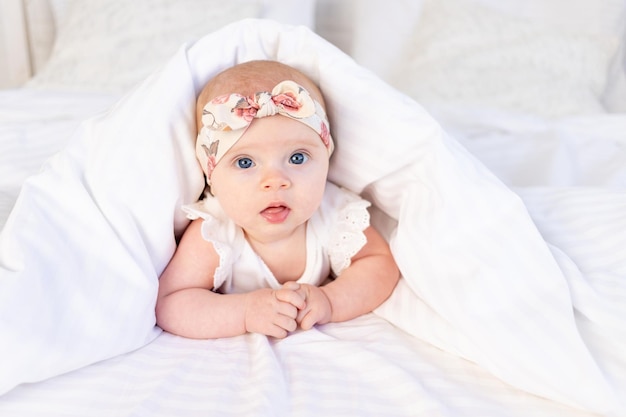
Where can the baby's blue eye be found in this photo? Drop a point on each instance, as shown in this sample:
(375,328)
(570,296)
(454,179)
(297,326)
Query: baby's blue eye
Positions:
(245,163)
(298,158)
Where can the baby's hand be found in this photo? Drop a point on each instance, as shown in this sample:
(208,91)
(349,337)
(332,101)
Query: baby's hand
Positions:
(273,312)
(318,309)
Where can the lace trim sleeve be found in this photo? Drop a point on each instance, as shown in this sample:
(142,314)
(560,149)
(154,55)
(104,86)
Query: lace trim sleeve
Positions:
(347,237)
(216,232)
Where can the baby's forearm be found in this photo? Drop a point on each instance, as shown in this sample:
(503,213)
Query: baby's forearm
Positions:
(198,313)
(362,287)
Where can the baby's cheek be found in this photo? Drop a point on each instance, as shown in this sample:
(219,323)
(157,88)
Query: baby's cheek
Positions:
(313,197)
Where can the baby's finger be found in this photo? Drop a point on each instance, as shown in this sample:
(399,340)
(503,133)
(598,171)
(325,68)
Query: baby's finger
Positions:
(301,314)
(308,320)
(277,332)
(291,285)
(292,297)
(289,310)
(286,323)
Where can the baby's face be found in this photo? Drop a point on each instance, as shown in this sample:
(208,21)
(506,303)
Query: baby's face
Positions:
(273,179)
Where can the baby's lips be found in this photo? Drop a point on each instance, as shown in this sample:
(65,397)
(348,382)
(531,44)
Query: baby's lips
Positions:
(276,214)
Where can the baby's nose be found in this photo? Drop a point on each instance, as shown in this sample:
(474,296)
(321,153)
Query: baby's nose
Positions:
(275,179)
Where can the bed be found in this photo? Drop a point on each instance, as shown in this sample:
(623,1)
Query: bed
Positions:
(489,135)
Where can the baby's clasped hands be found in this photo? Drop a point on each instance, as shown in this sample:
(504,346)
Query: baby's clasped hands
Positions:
(274,312)
(317,308)
(278,312)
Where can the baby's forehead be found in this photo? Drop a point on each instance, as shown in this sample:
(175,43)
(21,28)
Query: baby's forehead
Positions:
(247,83)
(241,87)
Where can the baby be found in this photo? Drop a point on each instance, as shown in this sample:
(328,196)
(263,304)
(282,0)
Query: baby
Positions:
(274,245)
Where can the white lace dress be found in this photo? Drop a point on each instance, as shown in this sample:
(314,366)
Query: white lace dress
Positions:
(334,234)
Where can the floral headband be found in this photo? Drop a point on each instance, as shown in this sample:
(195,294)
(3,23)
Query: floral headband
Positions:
(226,118)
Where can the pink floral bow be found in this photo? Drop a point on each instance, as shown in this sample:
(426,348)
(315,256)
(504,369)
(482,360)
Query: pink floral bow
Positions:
(225,119)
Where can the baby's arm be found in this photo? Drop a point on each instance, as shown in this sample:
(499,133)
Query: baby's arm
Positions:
(186,306)
(363,286)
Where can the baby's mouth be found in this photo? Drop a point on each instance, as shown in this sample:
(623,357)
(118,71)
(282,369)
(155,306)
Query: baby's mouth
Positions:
(276,213)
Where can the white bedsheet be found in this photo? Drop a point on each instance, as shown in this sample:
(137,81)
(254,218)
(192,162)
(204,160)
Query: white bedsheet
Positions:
(365,367)
(566,342)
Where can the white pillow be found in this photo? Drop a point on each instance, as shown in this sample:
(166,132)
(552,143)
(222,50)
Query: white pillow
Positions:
(355,27)
(111,45)
(615,91)
(546,58)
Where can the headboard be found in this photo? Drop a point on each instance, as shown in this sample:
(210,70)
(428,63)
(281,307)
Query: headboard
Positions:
(15,60)
(28,28)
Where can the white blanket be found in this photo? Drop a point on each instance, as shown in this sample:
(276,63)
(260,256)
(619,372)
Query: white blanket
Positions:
(525,150)
(81,253)
(33,126)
